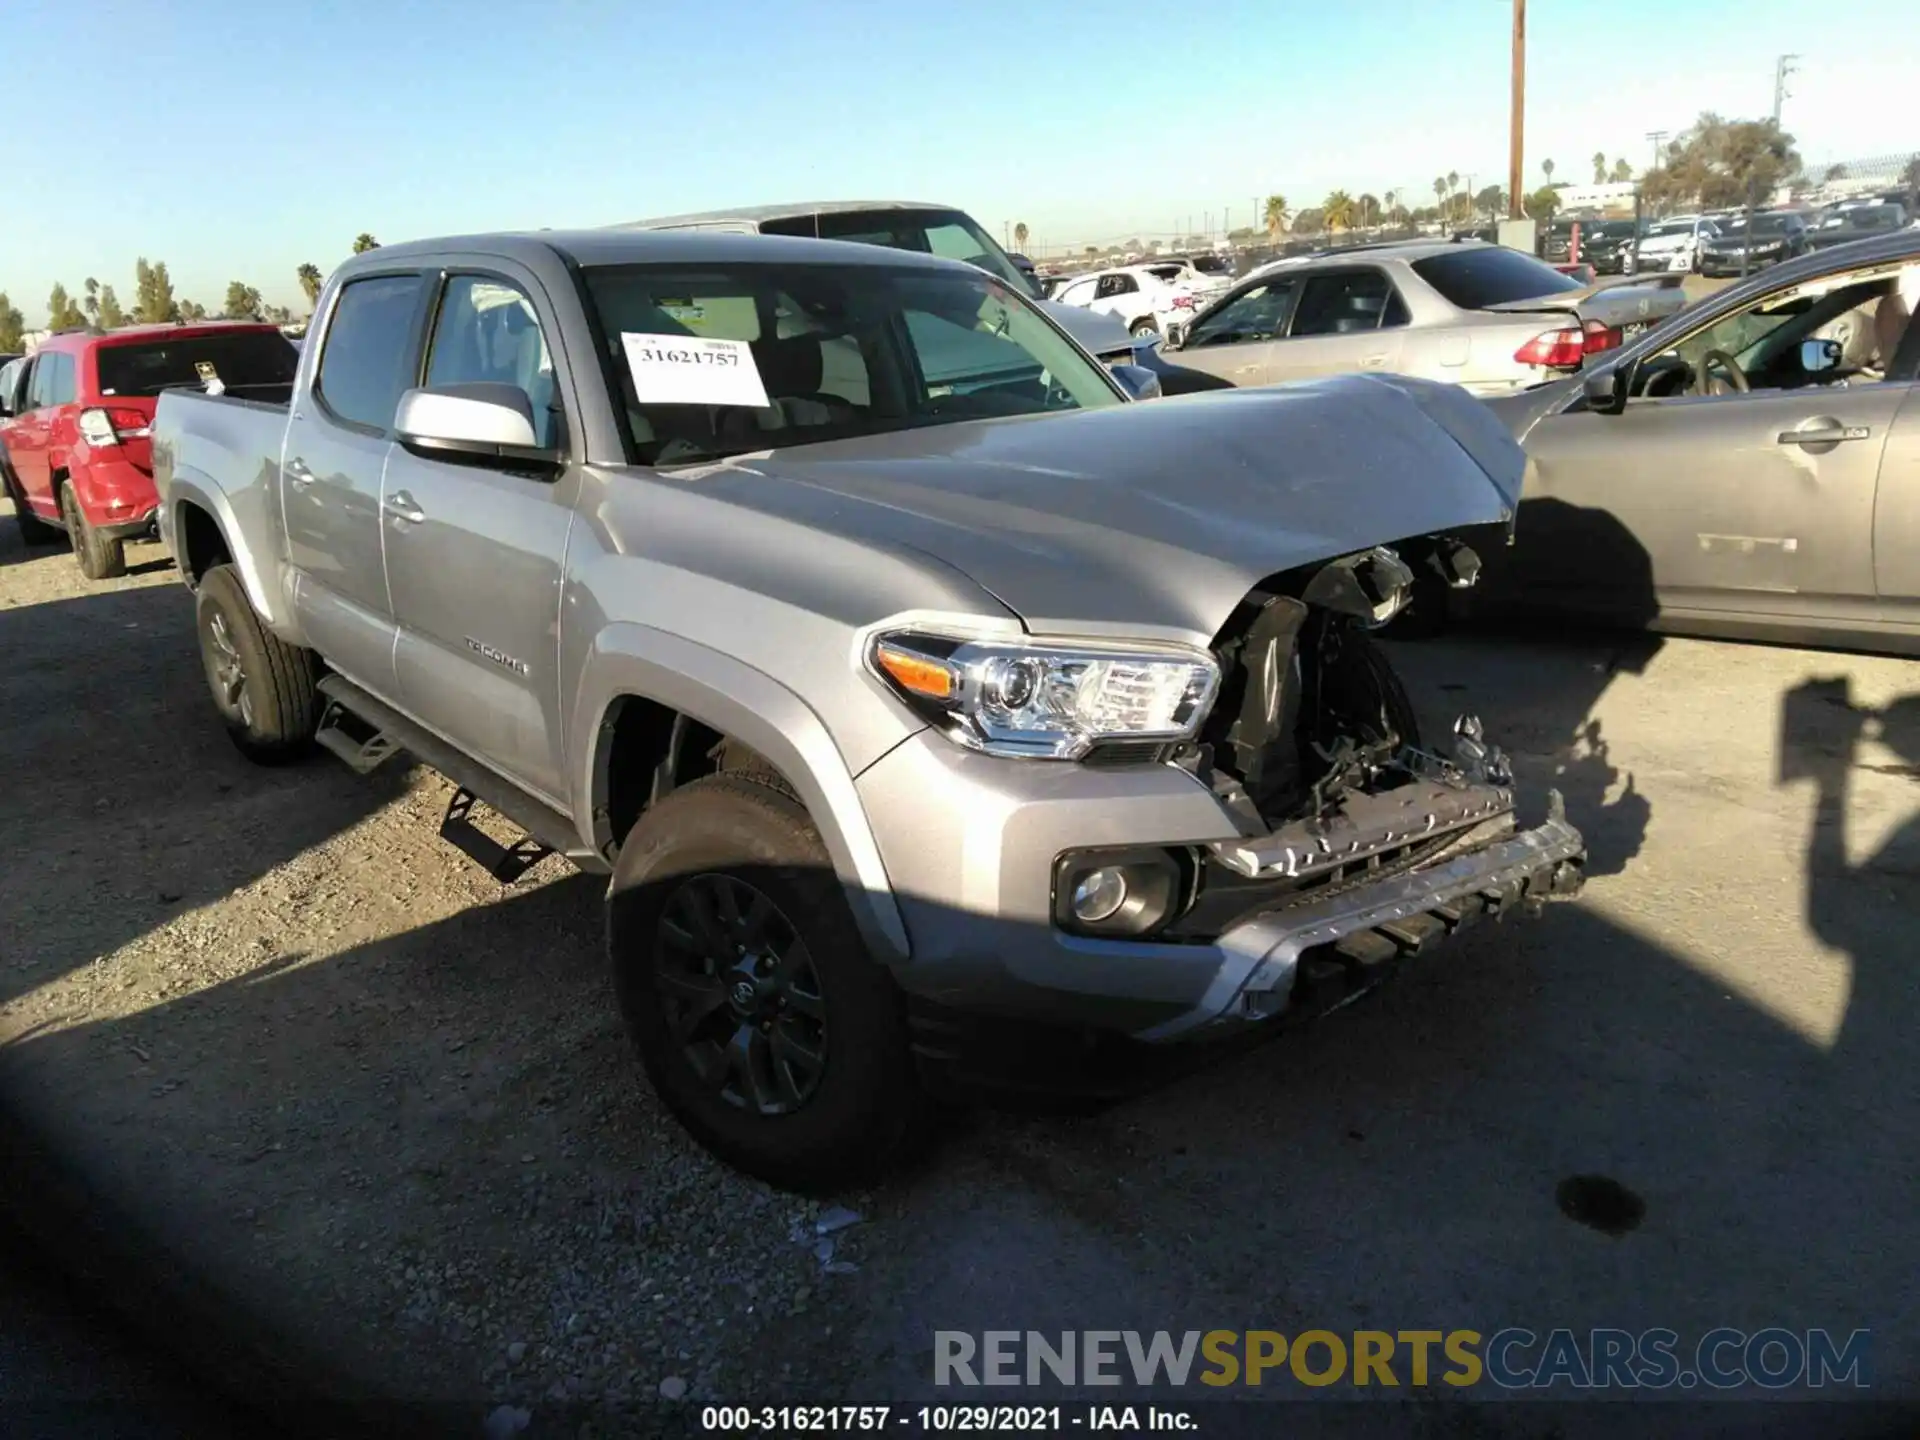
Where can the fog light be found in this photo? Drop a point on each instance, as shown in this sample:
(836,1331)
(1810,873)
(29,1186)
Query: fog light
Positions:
(1099,896)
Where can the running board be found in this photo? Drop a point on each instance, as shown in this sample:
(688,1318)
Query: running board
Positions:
(365,732)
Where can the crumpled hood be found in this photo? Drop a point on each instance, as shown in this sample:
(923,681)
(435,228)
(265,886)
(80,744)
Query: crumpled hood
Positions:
(1154,519)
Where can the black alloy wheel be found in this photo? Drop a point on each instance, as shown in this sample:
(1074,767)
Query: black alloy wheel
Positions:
(740,994)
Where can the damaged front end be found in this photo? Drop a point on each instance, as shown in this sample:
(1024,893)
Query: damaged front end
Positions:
(1360,843)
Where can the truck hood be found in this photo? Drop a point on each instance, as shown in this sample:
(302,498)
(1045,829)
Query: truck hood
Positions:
(1153,519)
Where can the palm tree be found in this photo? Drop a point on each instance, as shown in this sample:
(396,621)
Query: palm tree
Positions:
(1277,215)
(1391,202)
(1599,167)
(309,274)
(1339,211)
(1020,235)
(92,303)
(1546,168)
(1622,172)
(1369,209)
(1453,181)
(1439,190)
(364,242)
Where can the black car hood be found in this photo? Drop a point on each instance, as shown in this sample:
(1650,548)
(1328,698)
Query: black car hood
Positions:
(1153,519)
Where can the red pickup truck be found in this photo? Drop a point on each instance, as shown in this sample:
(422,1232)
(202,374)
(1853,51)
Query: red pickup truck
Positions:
(74,448)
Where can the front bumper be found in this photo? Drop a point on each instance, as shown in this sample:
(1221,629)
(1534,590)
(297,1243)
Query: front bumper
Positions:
(970,843)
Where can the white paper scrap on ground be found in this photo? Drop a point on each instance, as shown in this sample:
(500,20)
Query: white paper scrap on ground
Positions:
(692,370)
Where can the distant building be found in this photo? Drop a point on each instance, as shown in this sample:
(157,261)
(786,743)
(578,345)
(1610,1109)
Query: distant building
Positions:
(1612,196)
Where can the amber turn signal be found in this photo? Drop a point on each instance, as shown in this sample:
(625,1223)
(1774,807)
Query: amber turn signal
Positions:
(915,674)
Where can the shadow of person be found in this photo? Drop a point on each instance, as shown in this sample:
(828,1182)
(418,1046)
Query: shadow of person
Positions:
(1863,908)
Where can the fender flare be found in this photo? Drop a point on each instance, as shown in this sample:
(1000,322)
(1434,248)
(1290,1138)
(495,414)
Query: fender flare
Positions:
(190,486)
(749,705)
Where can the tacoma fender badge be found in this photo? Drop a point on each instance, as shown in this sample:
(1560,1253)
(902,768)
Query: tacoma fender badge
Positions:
(498,657)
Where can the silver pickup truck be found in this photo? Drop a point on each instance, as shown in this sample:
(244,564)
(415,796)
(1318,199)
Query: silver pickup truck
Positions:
(913,683)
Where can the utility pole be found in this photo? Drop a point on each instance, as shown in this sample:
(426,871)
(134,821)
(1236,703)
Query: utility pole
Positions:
(1782,68)
(1656,136)
(1516,147)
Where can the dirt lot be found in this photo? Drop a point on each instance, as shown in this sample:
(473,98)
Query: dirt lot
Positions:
(342,1074)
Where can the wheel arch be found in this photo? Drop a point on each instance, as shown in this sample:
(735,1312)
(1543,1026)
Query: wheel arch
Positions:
(648,699)
(199,513)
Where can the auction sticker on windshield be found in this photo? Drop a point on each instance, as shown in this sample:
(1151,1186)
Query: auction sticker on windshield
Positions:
(692,370)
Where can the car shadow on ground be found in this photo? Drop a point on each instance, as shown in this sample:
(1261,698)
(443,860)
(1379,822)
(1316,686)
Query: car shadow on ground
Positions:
(1397,1165)
(128,806)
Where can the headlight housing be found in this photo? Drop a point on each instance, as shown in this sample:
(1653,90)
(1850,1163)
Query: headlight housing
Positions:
(1048,700)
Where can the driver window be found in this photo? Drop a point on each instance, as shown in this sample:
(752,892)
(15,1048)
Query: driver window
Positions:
(1763,346)
(1258,313)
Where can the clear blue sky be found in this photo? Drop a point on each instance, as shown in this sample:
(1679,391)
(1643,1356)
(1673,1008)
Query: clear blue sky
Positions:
(235,141)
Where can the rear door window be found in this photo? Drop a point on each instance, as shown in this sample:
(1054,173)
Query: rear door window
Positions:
(370,350)
(253,364)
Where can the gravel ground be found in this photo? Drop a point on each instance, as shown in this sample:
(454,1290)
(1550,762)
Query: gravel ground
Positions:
(343,1076)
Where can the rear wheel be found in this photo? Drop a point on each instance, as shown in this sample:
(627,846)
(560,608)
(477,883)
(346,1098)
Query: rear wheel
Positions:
(99,557)
(762,1021)
(1145,325)
(262,686)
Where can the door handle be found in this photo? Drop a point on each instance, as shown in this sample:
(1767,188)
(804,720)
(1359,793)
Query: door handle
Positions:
(400,505)
(297,473)
(1824,432)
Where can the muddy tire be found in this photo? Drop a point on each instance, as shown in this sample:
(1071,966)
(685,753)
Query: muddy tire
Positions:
(262,686)
(762,1021)
(33,530)
(99,557)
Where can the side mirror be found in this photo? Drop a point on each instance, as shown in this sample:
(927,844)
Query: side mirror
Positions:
(1605,389)
(481,421)
(1818,355)
(1138,381)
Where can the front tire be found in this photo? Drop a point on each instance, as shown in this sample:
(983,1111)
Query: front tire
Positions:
(1145,325)
(262,686)
(762,1021)
(99,557)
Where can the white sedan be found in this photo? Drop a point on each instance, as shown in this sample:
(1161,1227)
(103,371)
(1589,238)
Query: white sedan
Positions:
(1148,299)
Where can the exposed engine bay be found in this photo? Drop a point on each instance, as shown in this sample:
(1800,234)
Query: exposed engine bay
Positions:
(1315,747)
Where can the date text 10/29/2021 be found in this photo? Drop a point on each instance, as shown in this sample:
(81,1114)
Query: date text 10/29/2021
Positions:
(945,1419)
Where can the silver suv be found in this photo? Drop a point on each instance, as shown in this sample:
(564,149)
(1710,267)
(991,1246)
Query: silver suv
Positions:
(908,679)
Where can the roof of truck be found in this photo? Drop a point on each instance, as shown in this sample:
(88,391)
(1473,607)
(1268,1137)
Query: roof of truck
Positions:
(755,214)
(619,246)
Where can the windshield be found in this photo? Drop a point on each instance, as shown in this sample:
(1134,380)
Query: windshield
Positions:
(1475,277)
(724,360)
(950,234)
(1865,217)
(1212,264)
(1672,227)
(241,360)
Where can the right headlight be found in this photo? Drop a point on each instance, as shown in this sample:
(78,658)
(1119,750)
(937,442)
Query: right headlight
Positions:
(1048,700)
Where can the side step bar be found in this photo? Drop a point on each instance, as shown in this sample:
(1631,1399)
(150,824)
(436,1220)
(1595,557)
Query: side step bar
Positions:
(365,732)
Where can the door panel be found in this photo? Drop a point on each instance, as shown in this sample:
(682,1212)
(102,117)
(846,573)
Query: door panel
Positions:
(332,468)
(1700,503)
(1237,339)
(1896,516)
(1345,320)
(330,496)
(476,589)
(475,554)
